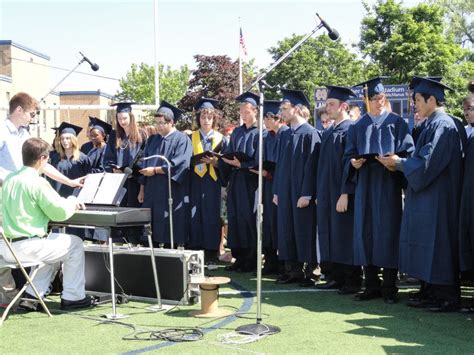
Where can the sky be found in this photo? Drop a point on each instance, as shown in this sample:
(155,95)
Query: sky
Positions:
(115,34)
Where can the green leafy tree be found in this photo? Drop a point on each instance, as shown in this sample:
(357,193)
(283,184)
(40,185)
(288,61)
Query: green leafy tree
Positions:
(217,77)
(401,42)
(139,83)
(318,62)
(459,16)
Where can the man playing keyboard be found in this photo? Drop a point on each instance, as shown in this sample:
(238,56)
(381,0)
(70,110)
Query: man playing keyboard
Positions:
(29,203)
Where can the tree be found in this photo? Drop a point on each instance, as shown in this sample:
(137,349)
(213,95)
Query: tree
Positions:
(216,77)
(403,42)
(318,62)
(458,14)
(407,41)
(139,83)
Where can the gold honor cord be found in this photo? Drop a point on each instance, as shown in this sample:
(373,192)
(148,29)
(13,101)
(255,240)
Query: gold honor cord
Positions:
(366,97)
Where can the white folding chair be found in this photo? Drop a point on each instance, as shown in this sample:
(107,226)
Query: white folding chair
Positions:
(19,265)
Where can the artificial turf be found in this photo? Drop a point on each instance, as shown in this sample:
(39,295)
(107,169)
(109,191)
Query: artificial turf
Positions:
(321,322)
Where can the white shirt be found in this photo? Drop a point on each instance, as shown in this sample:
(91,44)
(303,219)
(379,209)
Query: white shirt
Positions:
(11,142)
(469,129)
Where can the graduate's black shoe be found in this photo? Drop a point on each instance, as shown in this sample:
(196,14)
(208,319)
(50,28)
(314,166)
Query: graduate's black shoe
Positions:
(445,306)
(330,285)
(368,295)
(86,302)
(423,303)
(347,290)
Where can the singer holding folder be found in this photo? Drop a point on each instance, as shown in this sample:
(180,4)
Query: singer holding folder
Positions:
(176,147)
(123,145)
(206,182)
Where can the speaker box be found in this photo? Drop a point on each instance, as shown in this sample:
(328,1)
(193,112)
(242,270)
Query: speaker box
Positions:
(179,272)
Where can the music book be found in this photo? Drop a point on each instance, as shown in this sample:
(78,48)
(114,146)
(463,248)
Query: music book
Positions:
(196,159)
(242,157)
(372,156)
(102,189)
(267,165)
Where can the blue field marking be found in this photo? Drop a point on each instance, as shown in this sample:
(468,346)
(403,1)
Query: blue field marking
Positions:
(245,307)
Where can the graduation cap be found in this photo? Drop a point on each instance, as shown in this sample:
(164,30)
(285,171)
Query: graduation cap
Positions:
(124,107)
(95,123)
(68,128)
(430,86)
(340,93)
(416,80)
(295,97)
(271,106)
(168,109)
(249,97)
(205,103)
(373,86)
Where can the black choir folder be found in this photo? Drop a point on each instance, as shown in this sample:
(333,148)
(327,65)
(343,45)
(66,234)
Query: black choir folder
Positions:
(372,156)
(103,189)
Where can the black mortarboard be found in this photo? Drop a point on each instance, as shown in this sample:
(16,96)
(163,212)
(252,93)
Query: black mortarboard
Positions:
(205,103)
(416,80)
(249,97)
(374,86)
(69,128)
(295,97)
(167,108)
(429,86)
(124,106)
(271,106)
(340,93)
(95,123)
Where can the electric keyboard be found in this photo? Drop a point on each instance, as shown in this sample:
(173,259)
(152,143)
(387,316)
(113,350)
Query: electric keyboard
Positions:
(107,216)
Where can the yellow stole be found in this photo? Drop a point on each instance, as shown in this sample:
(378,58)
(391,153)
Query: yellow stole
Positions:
(201,169)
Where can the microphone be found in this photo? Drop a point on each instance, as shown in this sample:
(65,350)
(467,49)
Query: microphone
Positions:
(332,33)
(94,66)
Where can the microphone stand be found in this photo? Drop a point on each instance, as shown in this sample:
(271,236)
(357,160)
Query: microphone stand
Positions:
(170,199)
(64,78)
(258,328)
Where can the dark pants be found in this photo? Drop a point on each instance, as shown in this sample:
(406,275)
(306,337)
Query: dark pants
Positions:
(388,287)
(245,257)
(449,293)
(347,275)
(271,258)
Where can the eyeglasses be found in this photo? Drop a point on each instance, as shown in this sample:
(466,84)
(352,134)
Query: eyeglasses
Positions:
(161,123)
(33,114)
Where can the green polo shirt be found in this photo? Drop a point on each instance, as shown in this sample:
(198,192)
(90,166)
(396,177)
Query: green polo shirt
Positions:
(29,203)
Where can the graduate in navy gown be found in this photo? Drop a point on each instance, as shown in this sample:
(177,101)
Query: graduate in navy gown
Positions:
(378,194)
(123,145)
(99,131)
(294,188)
(154,191)
(86,147)
(70,161)
(274,127)
(242,187)
(206,183)
(335,197)
(429,248)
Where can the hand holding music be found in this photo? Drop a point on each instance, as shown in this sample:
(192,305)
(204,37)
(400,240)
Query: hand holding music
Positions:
(389,161)
(234,162)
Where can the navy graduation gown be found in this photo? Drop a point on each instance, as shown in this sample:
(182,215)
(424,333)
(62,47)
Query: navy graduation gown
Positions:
(73,169)
(87,147)
(429,232)
(295,177)
(242,185)
(335,230)
(96,156)
(123,157)
(378,192)
(269,225)
(466,218)
(205,231)
(176,147)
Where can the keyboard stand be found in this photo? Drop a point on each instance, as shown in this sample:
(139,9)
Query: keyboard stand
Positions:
(114,315)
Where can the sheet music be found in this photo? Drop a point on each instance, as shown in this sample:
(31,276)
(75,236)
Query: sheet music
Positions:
(109,188)
(91,184)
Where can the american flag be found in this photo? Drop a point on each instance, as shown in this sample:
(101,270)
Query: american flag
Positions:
(242,43)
